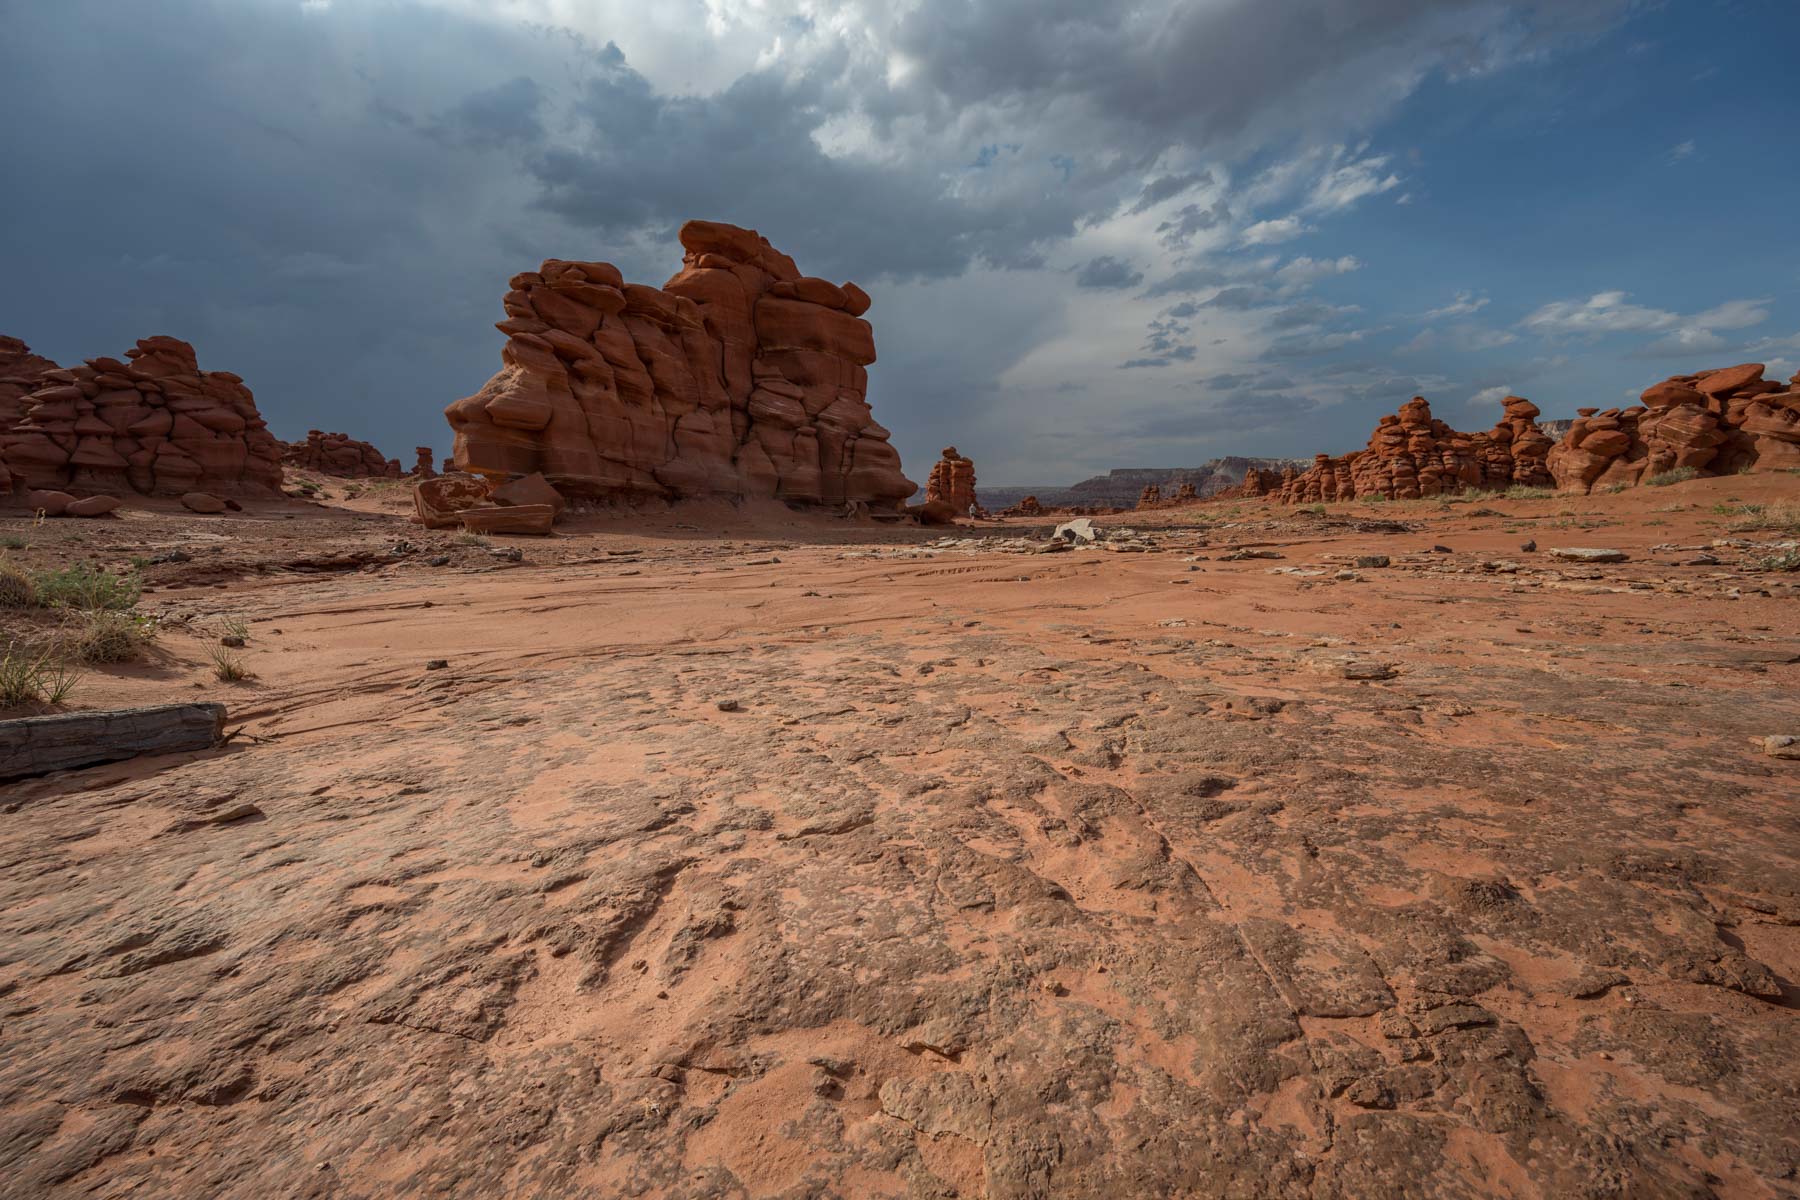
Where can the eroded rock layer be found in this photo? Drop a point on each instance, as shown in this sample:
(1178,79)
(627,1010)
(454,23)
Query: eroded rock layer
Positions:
(153,422)
(739,377)
(1413,454)
(340,454)
(1713,422)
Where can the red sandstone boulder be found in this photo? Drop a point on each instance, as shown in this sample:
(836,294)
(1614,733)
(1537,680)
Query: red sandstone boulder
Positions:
(1671,392)
(740,377)
(1723,383)
(439,501)
(202,502)
(92,506)
(50,503)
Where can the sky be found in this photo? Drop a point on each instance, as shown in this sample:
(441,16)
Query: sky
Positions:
(1098,233)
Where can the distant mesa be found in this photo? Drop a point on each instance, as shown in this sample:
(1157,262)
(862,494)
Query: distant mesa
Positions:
(341,455)
(153,423)
(741,377)
(1125,487)
(1718,422)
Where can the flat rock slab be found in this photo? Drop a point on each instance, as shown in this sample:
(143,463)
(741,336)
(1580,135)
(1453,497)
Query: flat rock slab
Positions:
(511,518)
(1588,554)
(39,745)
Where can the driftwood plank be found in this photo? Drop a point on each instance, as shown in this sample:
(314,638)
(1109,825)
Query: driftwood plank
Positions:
(37,745)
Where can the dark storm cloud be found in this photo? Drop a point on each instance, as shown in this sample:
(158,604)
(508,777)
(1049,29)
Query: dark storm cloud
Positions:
(1202,73)
(1192,219)
(1108,272)
(1167,187)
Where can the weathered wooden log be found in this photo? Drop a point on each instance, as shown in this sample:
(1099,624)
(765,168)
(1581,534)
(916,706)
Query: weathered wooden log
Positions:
(38,745)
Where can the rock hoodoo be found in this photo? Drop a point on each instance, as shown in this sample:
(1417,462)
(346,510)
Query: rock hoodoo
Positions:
(1413,454)
(952,481)
(339,454)
(740,377)
(1713,422)
(154,423)
(422,468)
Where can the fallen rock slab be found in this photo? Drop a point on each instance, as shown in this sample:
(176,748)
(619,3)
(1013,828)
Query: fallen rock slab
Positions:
(39,745)
(1588,554)
(513,518)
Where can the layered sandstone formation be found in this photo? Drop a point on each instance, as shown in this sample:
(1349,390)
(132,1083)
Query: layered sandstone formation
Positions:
(1716,422)
(1413,454)
(340,454)
(952,482)
(154,423)
(739,378)
(21,372)
(422,467)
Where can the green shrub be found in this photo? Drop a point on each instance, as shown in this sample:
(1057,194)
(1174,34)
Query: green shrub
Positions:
(1519,491)
(108,637)
(87,588)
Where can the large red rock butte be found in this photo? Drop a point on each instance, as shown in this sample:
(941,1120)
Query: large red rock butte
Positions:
(952,482)
(153,423)
(1412,454)
(340,454)
(739,378)
(1718,422)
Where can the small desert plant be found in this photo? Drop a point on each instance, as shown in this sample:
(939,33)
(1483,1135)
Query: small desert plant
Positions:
(235,627)
(1787,560)
(471,539)
(87,588)
(1678,475)
(13,543)
(31,678)
(108,637)
(1758,518)
(228,667)
(1519,491)
(16,588)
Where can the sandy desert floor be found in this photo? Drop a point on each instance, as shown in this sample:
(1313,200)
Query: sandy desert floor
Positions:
(802,858)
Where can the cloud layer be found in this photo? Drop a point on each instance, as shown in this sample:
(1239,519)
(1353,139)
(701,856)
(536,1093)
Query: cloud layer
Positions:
(327,196)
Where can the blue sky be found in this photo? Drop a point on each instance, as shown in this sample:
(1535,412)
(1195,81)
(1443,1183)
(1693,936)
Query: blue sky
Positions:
(1098,233)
